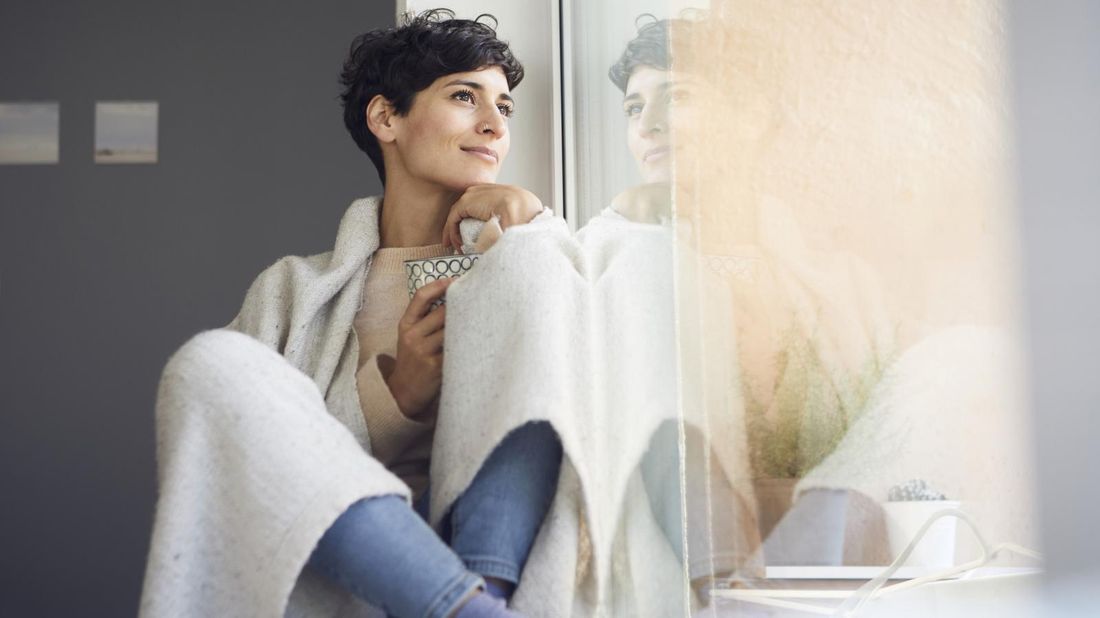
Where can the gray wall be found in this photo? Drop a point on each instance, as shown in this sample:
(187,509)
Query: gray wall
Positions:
(106,270)
(1056,72)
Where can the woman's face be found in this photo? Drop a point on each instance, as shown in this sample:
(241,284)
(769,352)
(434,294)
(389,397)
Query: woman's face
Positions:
(659,116)
(455,134)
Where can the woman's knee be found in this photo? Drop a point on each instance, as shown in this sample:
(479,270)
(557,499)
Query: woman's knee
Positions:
(536,442)
(205,355)
(538,434)
(528,460)
(226,367)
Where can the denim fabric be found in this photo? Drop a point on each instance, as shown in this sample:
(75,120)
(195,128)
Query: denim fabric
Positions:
(381,551)
(386,554)
(661,474)
(716,539)
(422,505)
(492,526)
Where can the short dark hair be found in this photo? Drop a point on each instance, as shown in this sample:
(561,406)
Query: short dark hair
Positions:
(649,47)
(399,62)
(652,45)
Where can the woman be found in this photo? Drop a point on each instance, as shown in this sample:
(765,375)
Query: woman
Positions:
(662,107)
(254,467)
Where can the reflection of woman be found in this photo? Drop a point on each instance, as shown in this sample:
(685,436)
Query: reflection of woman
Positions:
(833,395)
(721,526)
(255,468)
(799,315)
(807,326)
(649,90)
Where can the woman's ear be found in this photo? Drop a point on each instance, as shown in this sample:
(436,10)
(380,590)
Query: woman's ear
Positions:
(380,117)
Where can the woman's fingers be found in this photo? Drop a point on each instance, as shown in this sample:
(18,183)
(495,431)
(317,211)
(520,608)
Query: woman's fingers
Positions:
(511,205)
(434,342)
(477,202)
(430,323)
(460,210)
(423,298)
(450,236)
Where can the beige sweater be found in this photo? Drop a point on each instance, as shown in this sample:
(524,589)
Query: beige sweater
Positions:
(400,443)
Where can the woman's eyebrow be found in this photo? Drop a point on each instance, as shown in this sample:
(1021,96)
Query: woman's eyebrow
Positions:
(635,96)
(478,87)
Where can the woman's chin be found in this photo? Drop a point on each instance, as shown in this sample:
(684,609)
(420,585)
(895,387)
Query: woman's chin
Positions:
(656,171)
(658,176)
(465,182)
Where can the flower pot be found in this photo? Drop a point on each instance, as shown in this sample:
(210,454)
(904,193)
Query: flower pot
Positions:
(812,532)
(905,519)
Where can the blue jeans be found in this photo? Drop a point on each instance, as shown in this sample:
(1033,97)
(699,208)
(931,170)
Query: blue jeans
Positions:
(385,553)
(720,532)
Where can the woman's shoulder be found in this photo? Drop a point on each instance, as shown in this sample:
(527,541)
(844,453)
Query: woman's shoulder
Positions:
(317,277)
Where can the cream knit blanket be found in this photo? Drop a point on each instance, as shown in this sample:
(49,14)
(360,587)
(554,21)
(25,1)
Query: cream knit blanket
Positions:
(576,331)
(261,442)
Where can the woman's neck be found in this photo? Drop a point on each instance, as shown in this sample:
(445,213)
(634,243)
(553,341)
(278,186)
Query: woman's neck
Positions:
(413,213)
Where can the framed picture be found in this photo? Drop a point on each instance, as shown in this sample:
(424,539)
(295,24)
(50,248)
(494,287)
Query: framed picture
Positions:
(29,133)
(126,132)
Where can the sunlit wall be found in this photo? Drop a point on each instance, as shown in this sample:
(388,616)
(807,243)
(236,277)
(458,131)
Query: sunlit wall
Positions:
(838,181)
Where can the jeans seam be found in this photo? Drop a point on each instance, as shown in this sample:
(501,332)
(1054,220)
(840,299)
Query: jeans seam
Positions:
(490,566)
(452,593)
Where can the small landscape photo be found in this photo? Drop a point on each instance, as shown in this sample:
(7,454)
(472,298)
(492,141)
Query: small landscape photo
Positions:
(126,132)
(29,133)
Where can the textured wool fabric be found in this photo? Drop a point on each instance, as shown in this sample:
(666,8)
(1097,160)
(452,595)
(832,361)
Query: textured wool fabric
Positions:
(252,469)
(580,330)
(262,441)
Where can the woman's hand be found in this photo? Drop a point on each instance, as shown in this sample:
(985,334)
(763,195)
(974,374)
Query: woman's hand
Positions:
(510,204)
(418,369)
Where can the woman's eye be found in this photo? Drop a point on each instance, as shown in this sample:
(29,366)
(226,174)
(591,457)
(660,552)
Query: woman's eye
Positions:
(633,109)
(506,110)
(464,95)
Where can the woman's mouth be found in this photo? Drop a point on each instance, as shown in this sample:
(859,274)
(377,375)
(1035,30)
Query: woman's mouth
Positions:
(487,154)
(655,153)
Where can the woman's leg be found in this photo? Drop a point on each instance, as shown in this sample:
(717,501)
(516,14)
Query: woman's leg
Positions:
(384,553)
(721,531)
(493,524)
(252,470)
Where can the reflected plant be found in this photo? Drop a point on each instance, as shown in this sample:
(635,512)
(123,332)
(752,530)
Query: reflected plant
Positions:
(812,408)
(914,490)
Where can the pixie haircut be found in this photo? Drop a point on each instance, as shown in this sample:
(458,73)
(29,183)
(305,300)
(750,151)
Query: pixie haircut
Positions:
(651,45)
(648,48)
(399,62)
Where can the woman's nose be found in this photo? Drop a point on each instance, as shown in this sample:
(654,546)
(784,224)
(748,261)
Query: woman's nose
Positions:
(654,119)
(493,122)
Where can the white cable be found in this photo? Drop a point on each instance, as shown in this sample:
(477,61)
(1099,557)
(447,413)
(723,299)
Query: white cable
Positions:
(874,587)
